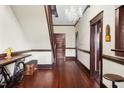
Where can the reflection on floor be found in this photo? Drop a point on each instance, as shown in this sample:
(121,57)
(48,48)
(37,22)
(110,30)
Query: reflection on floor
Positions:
(65,75)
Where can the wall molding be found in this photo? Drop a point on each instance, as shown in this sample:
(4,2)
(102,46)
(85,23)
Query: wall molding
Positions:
(62,25)
(114,59)
(85,51)
(70,48)
(41,50)
(2,55)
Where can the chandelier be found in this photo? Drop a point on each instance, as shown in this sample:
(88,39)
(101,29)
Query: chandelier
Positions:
(73,13)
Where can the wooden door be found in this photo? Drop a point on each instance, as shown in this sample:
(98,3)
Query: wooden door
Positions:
(60,46)
(96,49)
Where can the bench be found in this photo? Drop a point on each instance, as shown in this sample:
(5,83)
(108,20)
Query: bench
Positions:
(30,67)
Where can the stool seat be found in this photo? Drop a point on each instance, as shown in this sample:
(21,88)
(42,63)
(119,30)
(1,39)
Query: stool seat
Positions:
(114,77)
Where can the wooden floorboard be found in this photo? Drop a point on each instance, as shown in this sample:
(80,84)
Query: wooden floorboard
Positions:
(64,75)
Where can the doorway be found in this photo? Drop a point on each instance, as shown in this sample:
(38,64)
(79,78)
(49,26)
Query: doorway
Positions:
(96,48)
(60,46)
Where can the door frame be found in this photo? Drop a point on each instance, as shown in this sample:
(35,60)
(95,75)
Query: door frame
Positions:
(97,18)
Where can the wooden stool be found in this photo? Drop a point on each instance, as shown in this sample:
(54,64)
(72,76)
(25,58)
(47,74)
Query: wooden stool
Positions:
(114,78)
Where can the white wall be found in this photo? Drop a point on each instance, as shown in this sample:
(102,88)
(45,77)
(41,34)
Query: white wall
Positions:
(11,34)
(83,42)
(26,31)
(32,19)
(84,39)
(69,31)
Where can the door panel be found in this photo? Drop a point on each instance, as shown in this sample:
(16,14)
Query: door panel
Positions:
(60,46)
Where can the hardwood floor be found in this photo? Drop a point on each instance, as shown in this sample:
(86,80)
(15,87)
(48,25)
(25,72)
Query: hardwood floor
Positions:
(65,75)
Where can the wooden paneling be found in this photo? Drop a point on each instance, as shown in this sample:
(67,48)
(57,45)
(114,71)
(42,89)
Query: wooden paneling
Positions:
(60,45)
(96,18)
(119,30)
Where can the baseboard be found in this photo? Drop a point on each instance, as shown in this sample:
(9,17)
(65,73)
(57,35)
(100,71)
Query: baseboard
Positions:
(45,66)
(103,86)
(83,67)
(70,58)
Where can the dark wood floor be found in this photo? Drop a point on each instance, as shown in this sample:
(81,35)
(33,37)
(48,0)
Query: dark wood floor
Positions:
(66,75)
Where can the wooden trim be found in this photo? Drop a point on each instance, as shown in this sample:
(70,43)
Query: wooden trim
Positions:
(70,48)
(117,30)
(48,13)
(96,18)
(118,50)
(61,25)
(85,51)
(45,66)
(76,43)
(114,59)
(77,22)
(70,58)
(41,50)
(83,67)
(25,51)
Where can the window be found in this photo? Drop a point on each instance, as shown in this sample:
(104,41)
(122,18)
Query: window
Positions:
(119,31)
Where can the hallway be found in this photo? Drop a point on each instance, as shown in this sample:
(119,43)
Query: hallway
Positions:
(67,75)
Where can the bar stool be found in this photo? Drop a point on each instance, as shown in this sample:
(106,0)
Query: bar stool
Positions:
(114,78)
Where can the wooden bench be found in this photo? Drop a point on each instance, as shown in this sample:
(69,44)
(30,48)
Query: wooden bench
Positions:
(30,67)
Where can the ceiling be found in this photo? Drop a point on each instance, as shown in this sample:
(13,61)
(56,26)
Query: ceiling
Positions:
(62,18)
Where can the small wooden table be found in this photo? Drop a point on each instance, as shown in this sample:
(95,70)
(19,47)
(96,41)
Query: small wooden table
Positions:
(4,61)
(114,78)
(18,72)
